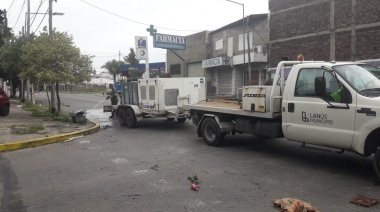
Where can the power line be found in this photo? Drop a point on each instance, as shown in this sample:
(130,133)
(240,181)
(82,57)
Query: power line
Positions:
(11,5)
(35,15)
(137,22)
(19,14)
(41,21)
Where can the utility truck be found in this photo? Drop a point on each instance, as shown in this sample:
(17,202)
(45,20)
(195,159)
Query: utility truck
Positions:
(329,104)
(157,97)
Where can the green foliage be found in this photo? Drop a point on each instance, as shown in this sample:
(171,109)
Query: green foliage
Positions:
(10,53)
(54,58)
(42,111)
(113,67)
(131,58)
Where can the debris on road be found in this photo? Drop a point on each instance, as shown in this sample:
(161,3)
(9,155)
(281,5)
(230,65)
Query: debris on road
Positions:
(293,205)
(194,182)
(364,201)
(79,117)
(105,127)
(155,167)
(72,138)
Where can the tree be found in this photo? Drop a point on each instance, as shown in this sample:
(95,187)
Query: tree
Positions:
(55,59)
(113,68)
(10,53)
(131,58)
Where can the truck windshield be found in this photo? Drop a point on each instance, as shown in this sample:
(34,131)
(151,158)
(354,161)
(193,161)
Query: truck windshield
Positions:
(360,79)
(374,70)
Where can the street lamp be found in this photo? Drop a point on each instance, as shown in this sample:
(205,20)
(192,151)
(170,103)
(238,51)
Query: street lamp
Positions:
(243,40)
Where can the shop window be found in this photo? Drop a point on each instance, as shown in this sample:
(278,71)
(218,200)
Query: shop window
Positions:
(175,69)
(219,44)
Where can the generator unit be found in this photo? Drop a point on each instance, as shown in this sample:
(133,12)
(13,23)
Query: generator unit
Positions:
(257,99)
(159,97)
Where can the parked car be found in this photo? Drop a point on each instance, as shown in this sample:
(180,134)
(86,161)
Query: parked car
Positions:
(4,103)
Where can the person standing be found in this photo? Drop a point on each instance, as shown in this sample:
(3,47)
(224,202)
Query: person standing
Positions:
(114,99)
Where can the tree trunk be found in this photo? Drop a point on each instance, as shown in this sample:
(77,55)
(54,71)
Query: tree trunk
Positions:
(58,99)
(32,95)
(47,94)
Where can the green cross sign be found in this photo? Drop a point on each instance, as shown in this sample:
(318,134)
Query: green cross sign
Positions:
(151,29)
(226,60)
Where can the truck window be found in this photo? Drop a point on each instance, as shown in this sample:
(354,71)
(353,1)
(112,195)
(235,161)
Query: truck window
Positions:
(305,82)
(358,77)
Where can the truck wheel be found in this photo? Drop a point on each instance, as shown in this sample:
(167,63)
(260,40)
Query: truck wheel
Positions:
(376,165)
(181,120)
(122,117)
(4,110)
(211,132)
(130,118)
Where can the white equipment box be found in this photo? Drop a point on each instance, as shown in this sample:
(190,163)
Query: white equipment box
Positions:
(162,95)
(257,99)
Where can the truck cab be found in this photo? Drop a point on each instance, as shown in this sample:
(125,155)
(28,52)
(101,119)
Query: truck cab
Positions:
(334,105)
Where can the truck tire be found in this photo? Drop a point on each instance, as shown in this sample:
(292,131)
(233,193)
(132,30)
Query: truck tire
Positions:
(130,118)
(181,120)
(122,117)
(211,132)
(376,165)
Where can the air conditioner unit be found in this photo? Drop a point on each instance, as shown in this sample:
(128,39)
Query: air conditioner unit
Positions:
(257,49)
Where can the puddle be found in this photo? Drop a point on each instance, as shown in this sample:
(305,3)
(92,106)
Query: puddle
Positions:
(100,117)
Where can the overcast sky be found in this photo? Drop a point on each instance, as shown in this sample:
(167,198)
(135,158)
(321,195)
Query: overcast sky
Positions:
(104,27)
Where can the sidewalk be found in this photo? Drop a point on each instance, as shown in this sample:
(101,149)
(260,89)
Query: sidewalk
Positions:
(54,131)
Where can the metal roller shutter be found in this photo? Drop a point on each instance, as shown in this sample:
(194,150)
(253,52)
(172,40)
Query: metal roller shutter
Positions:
(225,82)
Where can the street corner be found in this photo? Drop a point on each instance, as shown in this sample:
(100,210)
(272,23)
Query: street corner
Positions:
(11,146)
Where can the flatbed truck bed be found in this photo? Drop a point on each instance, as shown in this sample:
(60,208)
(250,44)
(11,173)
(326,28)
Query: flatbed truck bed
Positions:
(229,107)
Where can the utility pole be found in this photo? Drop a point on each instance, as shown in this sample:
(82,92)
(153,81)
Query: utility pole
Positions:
(353,31)
(22,94)
(244,82)
(27,38)
(53,104)
(249,55)
(332,30)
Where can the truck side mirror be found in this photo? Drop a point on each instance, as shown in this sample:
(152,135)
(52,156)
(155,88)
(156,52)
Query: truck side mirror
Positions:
(320,86)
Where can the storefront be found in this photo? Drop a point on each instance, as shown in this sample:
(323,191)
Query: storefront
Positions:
(222,79)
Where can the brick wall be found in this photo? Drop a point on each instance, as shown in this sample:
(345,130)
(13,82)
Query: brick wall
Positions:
(343,46)
(276,5)
(300,21)
(367,11)
(312,48)
(368,43)
(343,12)
(299,26)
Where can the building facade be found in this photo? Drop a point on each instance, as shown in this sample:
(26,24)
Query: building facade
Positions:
(188,63)
(219,56)
(340,30)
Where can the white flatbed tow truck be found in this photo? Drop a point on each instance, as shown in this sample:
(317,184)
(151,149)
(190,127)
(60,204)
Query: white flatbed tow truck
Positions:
(328,104)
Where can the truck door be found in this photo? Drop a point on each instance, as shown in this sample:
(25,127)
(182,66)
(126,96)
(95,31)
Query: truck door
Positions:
(311,119)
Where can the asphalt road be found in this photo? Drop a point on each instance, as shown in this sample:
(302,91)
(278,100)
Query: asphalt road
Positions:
(76,102)
(146,169)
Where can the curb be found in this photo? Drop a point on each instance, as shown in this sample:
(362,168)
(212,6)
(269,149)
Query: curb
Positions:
(48,140)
